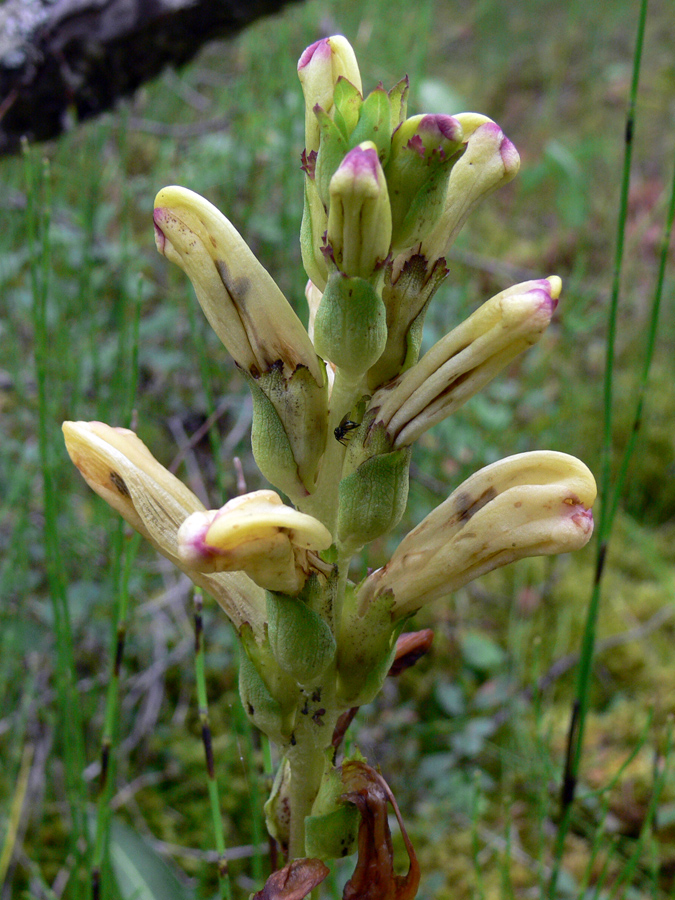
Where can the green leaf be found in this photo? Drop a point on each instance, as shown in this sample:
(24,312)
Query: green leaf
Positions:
(482,654)
(141,873)
(450,698)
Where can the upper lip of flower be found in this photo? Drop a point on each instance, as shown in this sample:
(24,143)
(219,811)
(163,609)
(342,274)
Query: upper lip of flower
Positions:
(241,300)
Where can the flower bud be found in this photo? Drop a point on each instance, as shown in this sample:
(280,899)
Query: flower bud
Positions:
(423,152)
(359,217)
(350,324)
(319,68)
(531,504)
(256,533)
(118,466)
(256,323)
(465,360)
(490,161)
(242,302)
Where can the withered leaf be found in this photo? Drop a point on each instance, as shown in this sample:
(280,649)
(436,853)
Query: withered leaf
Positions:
(373,877)
(410,647)
(295,881)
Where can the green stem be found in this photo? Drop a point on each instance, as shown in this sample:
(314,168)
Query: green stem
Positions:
(39,244)
(578,720)
(323,502)
(307,757)
(224,888)
(110,723)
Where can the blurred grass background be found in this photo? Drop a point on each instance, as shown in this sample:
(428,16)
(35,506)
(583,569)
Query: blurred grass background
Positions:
(95,324)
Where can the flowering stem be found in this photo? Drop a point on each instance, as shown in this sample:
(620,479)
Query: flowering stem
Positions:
(307,759)
(323,502)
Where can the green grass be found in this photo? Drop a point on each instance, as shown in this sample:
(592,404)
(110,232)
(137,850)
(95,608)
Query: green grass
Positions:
(95,325)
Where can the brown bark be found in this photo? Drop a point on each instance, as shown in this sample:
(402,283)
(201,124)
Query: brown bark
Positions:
(59,57)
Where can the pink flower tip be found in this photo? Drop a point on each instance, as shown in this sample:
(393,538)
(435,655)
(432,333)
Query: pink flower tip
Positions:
(510,156)
(583,519)
(362,161)
(160,237)
(548,300)
(447,126)
(320,48)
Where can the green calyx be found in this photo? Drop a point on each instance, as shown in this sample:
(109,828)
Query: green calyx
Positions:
(332,828)
(301,641)
(366,648)
(422,157)
(268,695)
(398,102)
(375,123)
(347,102)
(350,328)
(288,433)
(372,498)
(333,147)
(406,295)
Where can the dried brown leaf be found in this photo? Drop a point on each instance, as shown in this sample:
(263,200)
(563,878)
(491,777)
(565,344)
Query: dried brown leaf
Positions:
(373,877)
(410,647)
(295,881)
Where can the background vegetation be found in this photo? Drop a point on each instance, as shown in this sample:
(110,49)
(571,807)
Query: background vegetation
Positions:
(96,325)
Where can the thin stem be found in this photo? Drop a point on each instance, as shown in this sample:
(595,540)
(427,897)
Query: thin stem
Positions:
(649,352)
(110,724)
(244,730)
(224,887)
(580,709)
(69,703)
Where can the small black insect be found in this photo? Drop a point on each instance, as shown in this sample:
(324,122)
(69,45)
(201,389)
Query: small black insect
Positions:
(343,429)
(317,718)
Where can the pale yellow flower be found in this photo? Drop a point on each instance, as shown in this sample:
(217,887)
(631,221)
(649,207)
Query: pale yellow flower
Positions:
(118,466)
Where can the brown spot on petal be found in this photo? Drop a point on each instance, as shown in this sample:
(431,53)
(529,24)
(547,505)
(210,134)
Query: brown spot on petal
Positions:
(120,484)
(237,288)
(467,506)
